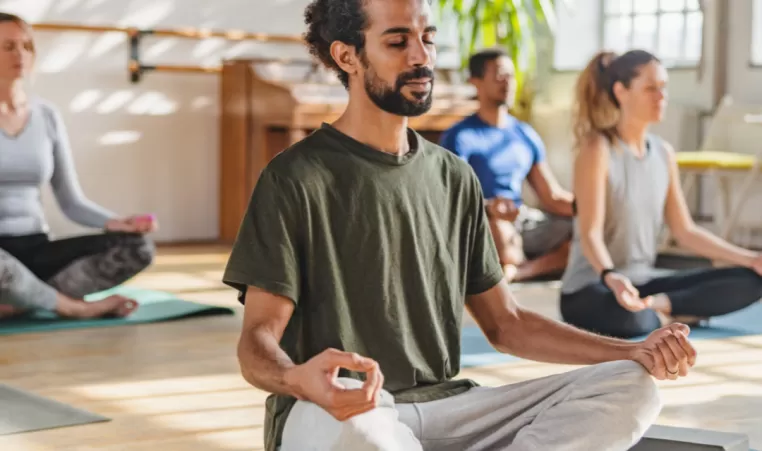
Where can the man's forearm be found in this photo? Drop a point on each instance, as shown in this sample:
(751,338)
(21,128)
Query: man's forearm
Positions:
(535,337)
(562,207)
(560,203)
(263,362)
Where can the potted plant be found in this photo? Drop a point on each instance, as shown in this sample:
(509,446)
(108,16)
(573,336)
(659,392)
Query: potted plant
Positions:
(516,25)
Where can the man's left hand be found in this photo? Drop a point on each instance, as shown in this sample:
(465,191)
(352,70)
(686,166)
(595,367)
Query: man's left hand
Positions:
(666,353)
(502,208)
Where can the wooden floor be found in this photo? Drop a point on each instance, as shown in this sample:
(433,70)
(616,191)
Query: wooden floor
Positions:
(176,386)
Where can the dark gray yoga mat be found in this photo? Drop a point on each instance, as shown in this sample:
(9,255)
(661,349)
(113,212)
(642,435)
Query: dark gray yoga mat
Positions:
(21,411)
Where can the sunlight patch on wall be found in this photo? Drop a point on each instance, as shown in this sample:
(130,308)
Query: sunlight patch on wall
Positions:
(207,47)
(159,48)
(65,5)
(201,103)
(29,10)
(105,43)
(84,100)
(149,15)
(115,101)
(65,50)
(94,3)
(238,50)
(116,138)
(152,103)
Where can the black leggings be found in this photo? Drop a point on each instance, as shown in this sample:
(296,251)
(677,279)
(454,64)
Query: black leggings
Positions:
(33,267)
(702,293)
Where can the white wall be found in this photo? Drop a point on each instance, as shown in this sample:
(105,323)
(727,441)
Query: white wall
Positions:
(744,81)
(150,147)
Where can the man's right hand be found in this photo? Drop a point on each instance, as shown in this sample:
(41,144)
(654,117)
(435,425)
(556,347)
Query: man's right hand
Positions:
(502,208)
(316,381)
(626,294)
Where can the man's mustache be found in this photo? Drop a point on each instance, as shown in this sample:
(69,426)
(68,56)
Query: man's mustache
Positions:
(418,72)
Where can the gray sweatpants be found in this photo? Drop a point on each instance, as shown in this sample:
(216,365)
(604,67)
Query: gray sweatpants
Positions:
(605,407)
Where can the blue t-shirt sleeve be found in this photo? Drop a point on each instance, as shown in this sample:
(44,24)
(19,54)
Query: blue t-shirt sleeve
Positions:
(449,140)
(535,143)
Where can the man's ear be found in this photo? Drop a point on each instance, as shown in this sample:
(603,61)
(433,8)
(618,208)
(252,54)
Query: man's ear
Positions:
(346,57)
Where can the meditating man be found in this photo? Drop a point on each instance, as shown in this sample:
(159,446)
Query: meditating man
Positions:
(362,245)
(505,153)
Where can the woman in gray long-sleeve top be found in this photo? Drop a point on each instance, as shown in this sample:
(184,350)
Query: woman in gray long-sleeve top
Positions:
(36,272)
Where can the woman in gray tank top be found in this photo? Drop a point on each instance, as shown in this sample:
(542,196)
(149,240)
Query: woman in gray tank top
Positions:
(36,272)
(627,187)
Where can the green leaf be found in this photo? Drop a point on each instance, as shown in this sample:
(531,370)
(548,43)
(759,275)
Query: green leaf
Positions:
(545,13)
(476,16)
(511,24)
(489,26)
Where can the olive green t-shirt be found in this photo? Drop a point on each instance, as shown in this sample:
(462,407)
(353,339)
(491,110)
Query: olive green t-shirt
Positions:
(377,252)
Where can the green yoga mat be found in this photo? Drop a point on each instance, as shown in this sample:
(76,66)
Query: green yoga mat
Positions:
(155,306)
(22,411)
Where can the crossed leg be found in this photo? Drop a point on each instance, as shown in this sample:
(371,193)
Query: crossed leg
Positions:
(605,407)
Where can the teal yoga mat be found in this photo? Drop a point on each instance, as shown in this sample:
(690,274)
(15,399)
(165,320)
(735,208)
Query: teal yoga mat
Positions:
(476,350)
(155,306)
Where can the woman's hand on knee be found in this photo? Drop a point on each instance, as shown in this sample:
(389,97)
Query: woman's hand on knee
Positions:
(134,224)
(626,294)
(316,381)
(756,263)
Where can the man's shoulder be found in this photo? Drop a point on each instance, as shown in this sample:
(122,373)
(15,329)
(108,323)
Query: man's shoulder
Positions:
(527,130)
(467,123)
(299,161)
(453,163)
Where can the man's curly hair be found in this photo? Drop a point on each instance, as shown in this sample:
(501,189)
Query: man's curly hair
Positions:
(335,20)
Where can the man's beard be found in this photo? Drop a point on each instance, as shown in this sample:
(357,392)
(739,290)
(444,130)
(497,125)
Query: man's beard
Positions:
(392,100)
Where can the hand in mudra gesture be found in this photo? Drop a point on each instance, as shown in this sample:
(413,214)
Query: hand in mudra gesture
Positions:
(502,208)
(666,353)
(316,381)
(626,294)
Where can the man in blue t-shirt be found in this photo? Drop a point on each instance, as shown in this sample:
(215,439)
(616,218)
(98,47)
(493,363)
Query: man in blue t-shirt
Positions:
(505,152)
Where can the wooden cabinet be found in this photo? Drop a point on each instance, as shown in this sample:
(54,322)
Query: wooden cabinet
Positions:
(264,112)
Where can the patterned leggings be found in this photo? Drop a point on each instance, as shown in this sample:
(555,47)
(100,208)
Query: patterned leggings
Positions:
(33,268)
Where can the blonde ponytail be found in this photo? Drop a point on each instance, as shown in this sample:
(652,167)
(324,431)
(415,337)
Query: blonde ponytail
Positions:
(596,108)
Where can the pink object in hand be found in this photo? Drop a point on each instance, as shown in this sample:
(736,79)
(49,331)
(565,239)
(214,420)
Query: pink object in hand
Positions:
(145,218)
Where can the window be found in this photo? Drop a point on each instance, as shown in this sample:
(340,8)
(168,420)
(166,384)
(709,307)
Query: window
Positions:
(578,34)
(671,29)
(756,33)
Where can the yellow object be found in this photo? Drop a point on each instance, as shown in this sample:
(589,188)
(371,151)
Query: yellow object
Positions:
(708,159)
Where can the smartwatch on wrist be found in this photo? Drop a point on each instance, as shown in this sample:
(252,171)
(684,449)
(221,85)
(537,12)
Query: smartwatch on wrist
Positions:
(604,273)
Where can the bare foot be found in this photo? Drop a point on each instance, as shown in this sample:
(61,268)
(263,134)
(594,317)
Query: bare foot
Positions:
(689,320)
(510,272)
(9,311)
(112,306)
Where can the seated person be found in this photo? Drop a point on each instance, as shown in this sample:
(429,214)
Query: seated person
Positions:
(505,152)
(361,248)
(626,187)
(37,273)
